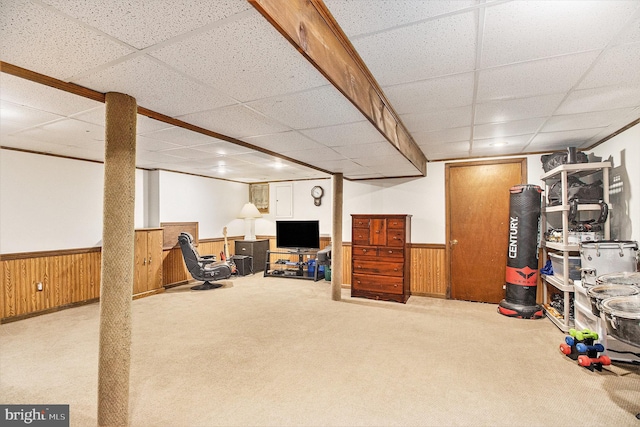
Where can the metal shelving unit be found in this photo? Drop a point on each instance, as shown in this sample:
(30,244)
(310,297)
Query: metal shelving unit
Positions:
(565,285)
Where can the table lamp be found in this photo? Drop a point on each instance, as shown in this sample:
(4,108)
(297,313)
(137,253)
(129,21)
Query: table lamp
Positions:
(249,212)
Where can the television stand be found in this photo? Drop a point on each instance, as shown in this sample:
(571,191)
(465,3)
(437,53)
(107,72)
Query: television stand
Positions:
(300,264)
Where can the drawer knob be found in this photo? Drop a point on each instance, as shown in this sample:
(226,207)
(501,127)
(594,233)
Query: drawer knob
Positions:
(390,252)
(364,250)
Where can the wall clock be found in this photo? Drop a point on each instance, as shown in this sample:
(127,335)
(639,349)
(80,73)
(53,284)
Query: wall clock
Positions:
(317,192)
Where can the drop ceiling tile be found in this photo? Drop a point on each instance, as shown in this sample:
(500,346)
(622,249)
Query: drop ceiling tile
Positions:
(96,116)
(382,148)
(515,109)
(264,63)
(319,107)
(224,148)
(422,50)
(24,143)
(552,140)
(515,142)
(497,130)
(188,153)
(180,136)
(437,120)
(187,95)
(449,150)
(143,156)
(600,99)
(40,97)
(631,33)
(526,30)
(430,95)
(350,133)
(236,121)
(317,156)
(146,125)
(284,141)
(65,48)
(152,144)
(20,117)
(382,15)
(495,151)
(584,120)
(442,136)
(618,65)
(142,24)
(533,78)
(69,132)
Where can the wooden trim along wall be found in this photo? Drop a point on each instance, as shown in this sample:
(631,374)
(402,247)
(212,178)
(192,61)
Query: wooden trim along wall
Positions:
(72,277)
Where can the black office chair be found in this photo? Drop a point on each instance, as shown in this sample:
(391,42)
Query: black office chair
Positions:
(204,268)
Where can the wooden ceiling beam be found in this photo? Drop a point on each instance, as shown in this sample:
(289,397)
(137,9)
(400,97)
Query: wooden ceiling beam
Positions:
(313,31)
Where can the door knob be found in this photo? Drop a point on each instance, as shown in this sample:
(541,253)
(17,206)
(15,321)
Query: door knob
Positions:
(453,242)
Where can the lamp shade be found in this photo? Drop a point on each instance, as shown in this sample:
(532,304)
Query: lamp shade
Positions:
(249,210)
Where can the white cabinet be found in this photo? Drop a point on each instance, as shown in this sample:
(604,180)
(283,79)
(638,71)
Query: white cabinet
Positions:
(564,247)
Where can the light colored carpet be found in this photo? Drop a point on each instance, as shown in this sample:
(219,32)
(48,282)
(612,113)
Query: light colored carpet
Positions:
(279,352)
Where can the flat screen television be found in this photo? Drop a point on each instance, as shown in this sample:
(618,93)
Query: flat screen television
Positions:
(298,235)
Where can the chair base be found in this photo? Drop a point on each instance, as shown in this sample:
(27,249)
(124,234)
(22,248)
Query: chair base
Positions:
(206,286)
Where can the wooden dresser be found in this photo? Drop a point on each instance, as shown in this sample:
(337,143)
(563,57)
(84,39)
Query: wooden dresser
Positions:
(381,264)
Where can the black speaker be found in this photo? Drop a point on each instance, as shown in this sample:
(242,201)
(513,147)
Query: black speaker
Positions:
(244,264)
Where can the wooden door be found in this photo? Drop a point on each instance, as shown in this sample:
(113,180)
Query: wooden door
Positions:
(477,196)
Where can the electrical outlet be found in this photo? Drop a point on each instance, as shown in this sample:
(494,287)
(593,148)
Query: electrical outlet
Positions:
(39,286)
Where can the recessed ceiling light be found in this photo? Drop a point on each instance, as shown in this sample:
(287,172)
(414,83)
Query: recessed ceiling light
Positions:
(498,144)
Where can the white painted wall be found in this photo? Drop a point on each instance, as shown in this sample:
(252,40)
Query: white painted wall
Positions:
(623,151)
(213,203)
(50,203)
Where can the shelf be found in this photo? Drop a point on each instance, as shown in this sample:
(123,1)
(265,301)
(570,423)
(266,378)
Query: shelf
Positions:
(562,247)
(558,284)
(576,169)
(581,207)
(558,321)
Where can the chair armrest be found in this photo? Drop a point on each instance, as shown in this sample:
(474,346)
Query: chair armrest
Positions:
(205,262)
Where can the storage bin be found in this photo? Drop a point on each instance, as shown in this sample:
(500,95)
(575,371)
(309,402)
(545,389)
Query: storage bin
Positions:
(557,262)
(580,293)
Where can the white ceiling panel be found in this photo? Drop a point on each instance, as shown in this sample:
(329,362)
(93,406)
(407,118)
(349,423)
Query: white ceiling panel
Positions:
(356,20)
(534,78)
(50,43)
(515,109)
(347,134)
(432,95)
(152,144)
(252,49)
(600,99)
(525,30)
(40,97)
(357,151)
(555,140)
(323,106)
(143,24)
(150,92)
(236,121)
(584,120)
(179,136)
(284,141)
(421,51)
(516,127)
(620,65)
(20,117)
(443,136)
(444,119)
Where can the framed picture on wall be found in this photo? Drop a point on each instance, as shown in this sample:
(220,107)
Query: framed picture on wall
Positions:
(259,196)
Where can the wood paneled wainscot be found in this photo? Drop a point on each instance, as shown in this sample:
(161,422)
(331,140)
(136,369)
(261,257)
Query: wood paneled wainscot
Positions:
(381,257)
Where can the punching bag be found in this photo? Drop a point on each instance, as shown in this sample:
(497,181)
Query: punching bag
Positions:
(522,254)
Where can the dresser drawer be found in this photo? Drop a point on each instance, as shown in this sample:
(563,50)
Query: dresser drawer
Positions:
(395,237)
(391,285)
(390,252)
(361,222)
(364,252)
(360,236)
(395,223)
(365,266)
